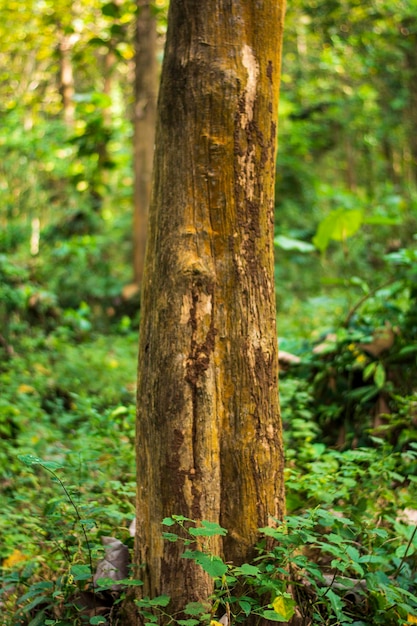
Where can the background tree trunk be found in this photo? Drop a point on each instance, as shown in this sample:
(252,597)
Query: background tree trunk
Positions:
(146,87)
(411,65)
(209,442)
(66,76)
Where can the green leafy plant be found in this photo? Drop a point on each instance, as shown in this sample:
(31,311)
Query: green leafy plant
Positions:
(259,593)
(316,567)
(53,578)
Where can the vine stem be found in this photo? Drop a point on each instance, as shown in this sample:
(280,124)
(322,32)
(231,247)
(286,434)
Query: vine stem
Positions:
(78,516)
(410,541)
(364,298)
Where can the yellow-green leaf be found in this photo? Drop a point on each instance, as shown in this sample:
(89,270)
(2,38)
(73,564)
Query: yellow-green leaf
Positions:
(337,226)
(284,606)
(379,376)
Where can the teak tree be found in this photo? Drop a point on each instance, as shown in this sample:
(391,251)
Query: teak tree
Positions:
(209,442)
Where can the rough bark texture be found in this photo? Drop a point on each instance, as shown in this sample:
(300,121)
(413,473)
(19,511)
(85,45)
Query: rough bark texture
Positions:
(146,88)
(209,442)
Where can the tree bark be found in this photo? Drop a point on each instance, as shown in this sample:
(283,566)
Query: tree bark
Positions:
(209,441)
(146,87)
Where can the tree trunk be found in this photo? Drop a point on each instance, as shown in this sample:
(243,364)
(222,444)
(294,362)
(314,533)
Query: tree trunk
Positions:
(209,442)
(411,64)
(66,77)
(109,66)
(146,87)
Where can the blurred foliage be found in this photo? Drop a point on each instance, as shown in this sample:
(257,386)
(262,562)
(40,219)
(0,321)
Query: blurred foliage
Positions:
(346,259)
(346,137)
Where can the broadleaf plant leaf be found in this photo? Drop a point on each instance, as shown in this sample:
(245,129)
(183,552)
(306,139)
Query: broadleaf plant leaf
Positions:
(337,226)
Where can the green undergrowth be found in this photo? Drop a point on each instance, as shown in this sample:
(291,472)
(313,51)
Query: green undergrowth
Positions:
(345,554)
(348,558)
(70,401)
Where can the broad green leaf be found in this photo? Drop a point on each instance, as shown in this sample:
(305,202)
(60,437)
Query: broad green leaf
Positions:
(208,529)
(168,521)
(245,606)
(371,558)
(38,600)
(36,589)
(195,608)
(359,282)
(102,584)
(353,553)
(380,532)
(379,376)
(51,465)
(98,619)
(336,603)
(110,9)
(269,531)
(287,243)
(363,394)
(130,582)
(403,550)
(407,350)
(107,583)
(337,226)
(160,601)
(369,370)
(150,618)
(81,572)
(31,459)
(170,537)
(381,220)
(87,523)
(273,616)
(327,518)
(347,224)
(248,570)
(213,565)
(121,410)
(284,606)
